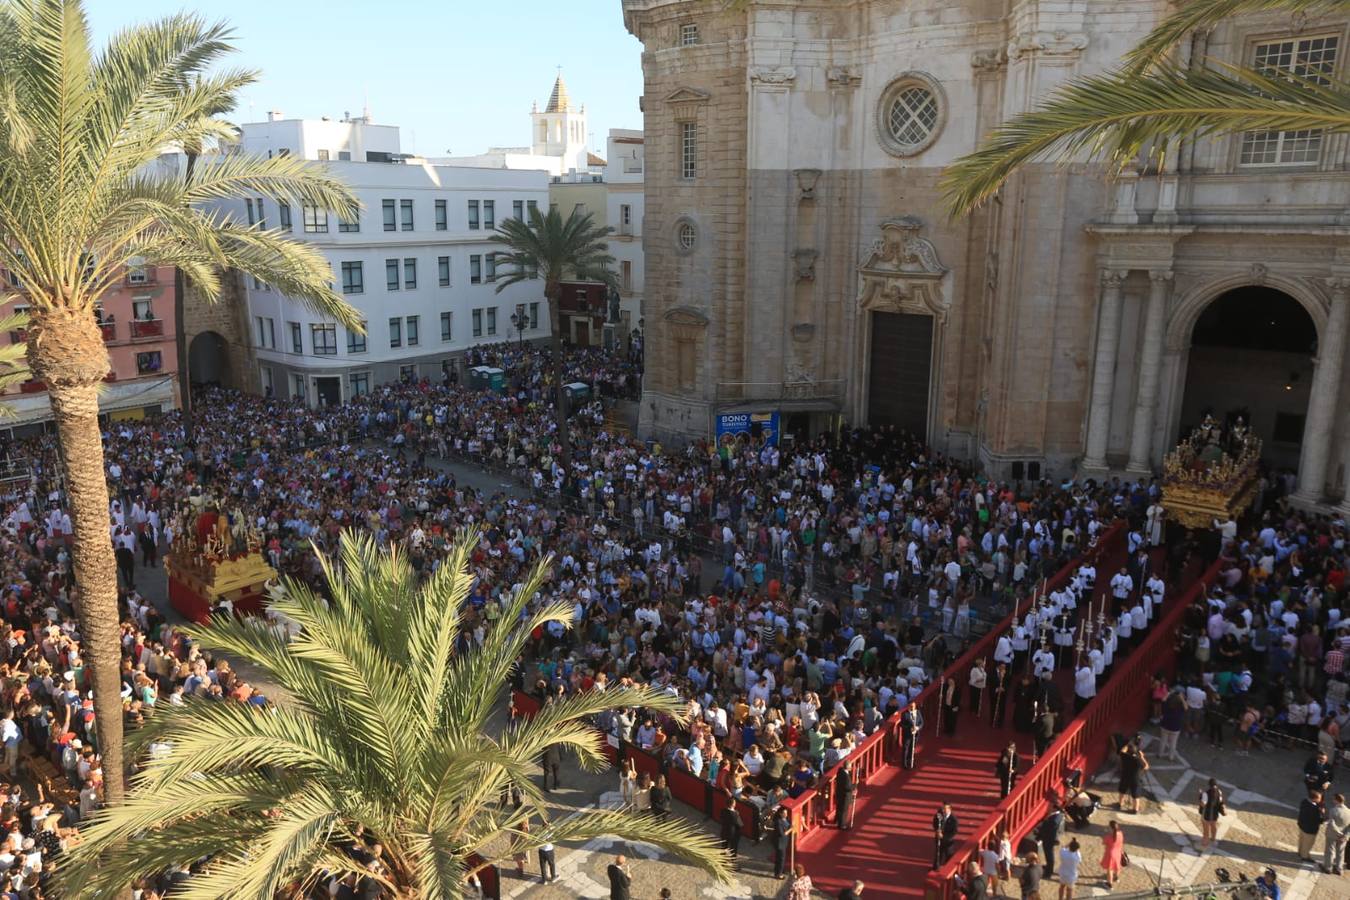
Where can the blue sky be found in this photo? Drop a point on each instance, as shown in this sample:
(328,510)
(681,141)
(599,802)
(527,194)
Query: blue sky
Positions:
(455,74)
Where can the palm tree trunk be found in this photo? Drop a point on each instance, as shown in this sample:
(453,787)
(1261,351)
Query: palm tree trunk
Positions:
(559,397)
(179,290)
(65,349)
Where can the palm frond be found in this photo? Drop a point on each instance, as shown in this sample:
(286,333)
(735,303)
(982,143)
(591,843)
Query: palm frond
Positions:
(1116,115)
(1201,15)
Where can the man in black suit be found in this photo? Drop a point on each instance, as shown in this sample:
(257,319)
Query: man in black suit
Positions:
(911,723)
(731,826)
(551,763)
(846,791)
(1048,833)
(945,826)
(620,881)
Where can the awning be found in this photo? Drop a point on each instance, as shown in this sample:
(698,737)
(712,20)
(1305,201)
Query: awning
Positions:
(114,396)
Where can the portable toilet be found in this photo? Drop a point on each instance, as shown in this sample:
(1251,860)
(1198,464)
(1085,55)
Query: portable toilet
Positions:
(494,379)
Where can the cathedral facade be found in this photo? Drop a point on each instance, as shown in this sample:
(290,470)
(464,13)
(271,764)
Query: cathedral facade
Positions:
(799,260)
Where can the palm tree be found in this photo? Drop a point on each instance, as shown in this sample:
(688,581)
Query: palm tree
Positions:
(554,248)
(383,730)
(82,197)
(1151,102)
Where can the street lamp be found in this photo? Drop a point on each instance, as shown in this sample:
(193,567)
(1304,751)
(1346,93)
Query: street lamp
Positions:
(519,320)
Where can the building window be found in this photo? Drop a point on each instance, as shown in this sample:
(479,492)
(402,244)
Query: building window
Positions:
(489,214)
(407,374)
(686,235)
(267,333)
(149,363)
(447,331)
(323,156)
(284,214)
(910,115)
(262,215)
(1310,60)
(344,156)
(324,339)
(316,220)
(688,149)
(297,339)
(410,273)
(346,227)
(442,223)
(443,270)
(688,34)
(625,215)
(491,267)
(477,323)
(473,215)
(248,205)
(390,215)
(395,332)
(412,330)
(492,320)
(405,208)
(626,275)
(532,207)
(518,209)
(391,282)
(353,280)
(265,372)
(534,316)
(475,269)
(358,384)
(298,386)
(356,341)
(532,270)
(142,309)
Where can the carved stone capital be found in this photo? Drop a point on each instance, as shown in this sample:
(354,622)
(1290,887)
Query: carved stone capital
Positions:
(1160,276)
(1114,278)
(773,77)
(989,61)
(1339,286)
(842,77)
(1047,43)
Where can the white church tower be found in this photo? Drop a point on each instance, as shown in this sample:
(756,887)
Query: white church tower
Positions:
(560,130)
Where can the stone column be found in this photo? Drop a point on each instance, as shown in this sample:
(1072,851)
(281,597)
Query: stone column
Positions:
(1322,407)
(1104,370)
(1150,363)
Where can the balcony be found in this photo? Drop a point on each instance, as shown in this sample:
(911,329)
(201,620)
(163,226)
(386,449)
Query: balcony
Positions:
(142,329)
(32,387)
(109,330)
(18,336)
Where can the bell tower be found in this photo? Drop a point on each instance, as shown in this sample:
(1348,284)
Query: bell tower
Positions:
(560,130)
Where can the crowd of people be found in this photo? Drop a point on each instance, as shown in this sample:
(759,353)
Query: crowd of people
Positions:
(791,594)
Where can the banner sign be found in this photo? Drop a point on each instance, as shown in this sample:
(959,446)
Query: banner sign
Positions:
(735,428)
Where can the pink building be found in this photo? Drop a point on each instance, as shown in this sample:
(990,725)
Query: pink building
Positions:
(140,331)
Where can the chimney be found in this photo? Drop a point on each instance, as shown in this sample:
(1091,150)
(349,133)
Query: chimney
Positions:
(274,115)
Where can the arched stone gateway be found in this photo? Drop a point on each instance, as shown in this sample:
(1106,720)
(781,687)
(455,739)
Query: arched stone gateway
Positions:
(1251,358)
(209,359)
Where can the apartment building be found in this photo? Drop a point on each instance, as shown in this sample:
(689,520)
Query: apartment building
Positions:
(419,262)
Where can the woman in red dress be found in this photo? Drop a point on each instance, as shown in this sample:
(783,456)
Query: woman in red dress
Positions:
(1113,852)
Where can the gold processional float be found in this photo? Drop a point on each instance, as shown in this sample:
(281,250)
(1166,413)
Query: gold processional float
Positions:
(215,562)
(1212,475)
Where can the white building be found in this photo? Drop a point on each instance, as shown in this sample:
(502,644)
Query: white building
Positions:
(557,141)
(625,160)
(418,263)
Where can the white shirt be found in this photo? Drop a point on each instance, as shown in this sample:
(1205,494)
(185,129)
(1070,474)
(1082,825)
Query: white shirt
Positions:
(1121,585)
(1085,682)
(1004,651)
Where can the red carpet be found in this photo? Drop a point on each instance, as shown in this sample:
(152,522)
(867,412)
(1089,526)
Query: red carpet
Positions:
(890,846)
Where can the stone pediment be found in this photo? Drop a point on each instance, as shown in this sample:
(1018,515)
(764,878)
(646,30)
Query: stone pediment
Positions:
(688,95)
(903,273)
(687,322)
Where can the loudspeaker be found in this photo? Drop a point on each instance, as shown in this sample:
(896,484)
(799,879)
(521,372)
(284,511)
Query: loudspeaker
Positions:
(1034,470)
(1017,471)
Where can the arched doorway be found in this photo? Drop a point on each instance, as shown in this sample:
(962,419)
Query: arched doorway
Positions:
(208,359)
(1251,356)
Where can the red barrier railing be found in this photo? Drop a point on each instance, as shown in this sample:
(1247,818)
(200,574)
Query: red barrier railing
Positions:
(812,809)
(1083,745)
